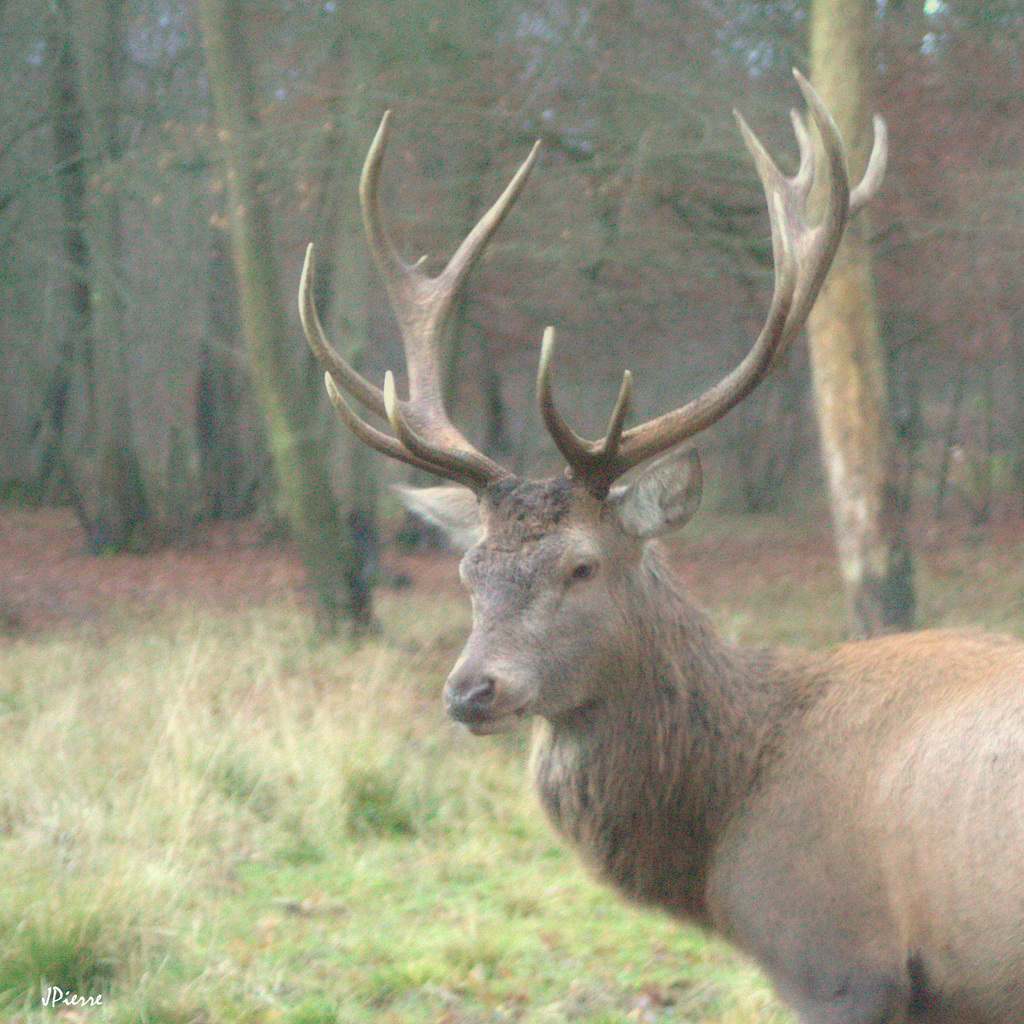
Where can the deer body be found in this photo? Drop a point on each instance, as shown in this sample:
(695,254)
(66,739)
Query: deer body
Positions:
(854,819)
(878,869)
(847,884)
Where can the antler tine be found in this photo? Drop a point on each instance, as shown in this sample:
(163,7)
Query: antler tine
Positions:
(589,460)
(875,170)
(340,375)
(813,248)
(344,376)
(424,436)
(376,439)
(422,305)
(802,254)
(598,464)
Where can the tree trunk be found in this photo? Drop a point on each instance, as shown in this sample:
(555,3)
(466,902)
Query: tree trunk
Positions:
(234,466)
(343,275)
(98,452)
(324,543)
(68,392)
(851,398)
(340,285)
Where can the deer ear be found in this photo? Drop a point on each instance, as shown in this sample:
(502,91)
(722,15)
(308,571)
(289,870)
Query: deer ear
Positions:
(452,509)
(663,498)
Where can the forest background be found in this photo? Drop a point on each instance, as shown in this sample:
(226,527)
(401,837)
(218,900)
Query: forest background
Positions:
(210,814)
(129,391)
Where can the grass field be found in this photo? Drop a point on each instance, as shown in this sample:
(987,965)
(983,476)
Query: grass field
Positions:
(206,818)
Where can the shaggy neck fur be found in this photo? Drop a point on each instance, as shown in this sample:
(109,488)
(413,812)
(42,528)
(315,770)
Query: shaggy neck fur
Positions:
(643,782)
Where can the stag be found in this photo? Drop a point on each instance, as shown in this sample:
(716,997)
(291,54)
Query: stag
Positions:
(851,819)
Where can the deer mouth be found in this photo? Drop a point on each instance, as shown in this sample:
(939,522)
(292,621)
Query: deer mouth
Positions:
(492,721)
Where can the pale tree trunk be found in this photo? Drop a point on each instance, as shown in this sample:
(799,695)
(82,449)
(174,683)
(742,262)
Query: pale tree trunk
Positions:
(851,395)
(324,544)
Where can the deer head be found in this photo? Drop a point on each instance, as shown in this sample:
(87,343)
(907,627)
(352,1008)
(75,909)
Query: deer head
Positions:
(541,548)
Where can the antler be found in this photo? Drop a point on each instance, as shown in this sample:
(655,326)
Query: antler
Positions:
(424,436)
(802,254)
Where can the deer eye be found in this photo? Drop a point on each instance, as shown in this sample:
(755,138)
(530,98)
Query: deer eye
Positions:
(583,571)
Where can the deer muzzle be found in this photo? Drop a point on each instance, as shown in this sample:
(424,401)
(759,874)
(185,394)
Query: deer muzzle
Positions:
(478,696)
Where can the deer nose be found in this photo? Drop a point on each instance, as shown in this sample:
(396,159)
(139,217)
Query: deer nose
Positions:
(469,694)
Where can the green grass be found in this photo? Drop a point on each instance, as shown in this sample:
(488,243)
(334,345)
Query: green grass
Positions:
(212,820)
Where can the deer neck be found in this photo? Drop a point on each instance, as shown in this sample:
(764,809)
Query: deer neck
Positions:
(643,781)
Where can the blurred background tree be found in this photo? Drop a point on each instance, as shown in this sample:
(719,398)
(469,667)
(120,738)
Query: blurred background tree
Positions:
(326,547)
(851,401)
(128,390)
(90,443)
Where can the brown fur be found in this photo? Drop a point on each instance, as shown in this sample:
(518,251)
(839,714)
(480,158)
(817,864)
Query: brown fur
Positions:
(853,819)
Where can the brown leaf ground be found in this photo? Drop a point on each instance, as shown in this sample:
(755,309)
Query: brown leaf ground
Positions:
(48,581)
